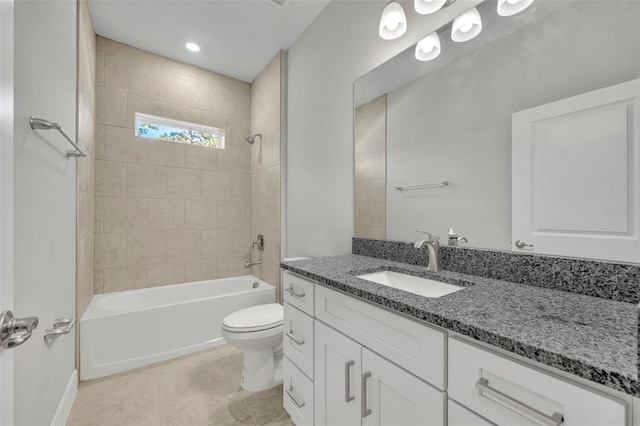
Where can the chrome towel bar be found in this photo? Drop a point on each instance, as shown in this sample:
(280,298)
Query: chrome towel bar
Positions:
(42,124)
(60,326)
(423,185)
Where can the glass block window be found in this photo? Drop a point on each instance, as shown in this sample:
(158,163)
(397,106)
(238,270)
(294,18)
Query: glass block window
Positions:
(148,126)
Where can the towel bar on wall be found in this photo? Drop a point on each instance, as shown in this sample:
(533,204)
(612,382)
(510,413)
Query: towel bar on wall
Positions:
(42,124)
(423,185)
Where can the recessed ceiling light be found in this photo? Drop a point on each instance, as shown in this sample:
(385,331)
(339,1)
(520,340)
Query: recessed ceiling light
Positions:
(192,47)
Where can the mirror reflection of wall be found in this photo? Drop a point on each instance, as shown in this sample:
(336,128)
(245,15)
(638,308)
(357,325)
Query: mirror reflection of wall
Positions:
(454,122)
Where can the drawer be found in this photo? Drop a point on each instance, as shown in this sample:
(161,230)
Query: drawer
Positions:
(298,292)
(297,394)
(298,339)
(416,347)
(506,392)
(460,416)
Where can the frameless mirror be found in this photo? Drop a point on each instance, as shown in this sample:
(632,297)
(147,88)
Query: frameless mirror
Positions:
(526,134)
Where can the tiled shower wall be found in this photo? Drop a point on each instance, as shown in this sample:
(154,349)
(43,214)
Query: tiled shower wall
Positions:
(370,169)
(86,166)
(166,212)
(265,170)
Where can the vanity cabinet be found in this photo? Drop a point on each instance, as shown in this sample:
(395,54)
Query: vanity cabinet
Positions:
(354,385)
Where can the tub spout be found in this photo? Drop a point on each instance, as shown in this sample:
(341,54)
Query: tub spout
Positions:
(254,263)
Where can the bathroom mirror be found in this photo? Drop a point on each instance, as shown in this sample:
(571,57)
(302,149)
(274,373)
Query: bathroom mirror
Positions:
(448,123)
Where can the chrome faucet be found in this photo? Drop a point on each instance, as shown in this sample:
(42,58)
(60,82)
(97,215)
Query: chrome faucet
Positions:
(249,264)
(433,245)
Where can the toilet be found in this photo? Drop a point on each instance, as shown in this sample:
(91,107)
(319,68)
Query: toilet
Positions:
(258,331)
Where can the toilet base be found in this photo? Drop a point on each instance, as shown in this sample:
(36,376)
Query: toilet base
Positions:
(261,369)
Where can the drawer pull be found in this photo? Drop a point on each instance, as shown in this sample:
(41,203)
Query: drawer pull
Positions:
(347,382)
(292,292)
(556,419)
(293,398)
(290,335)
(363,406)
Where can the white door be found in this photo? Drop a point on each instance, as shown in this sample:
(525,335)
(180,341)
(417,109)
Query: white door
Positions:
(576,183)
(6,200)
(392,396)
(337,373)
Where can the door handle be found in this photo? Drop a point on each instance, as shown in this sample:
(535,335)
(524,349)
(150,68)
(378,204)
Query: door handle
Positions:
(15,331)
(521,244)
(363,406)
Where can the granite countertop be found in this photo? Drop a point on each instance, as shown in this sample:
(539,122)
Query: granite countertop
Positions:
(593,338)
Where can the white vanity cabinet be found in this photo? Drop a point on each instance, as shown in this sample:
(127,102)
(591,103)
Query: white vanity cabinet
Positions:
(354,385)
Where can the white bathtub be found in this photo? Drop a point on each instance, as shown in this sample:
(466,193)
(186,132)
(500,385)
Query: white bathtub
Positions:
(130,329)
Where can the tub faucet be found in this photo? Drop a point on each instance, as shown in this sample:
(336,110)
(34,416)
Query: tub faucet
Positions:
(433,245)
(254,263)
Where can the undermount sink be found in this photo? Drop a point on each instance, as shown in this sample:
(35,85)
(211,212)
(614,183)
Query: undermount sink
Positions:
(421,286)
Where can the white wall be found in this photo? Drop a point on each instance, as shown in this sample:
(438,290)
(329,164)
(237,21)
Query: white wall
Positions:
(341,45)
(45,202)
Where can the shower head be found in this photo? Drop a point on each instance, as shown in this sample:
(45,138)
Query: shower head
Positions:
(42,124)
(251,139)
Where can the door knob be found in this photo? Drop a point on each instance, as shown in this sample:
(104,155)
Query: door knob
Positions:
(521,244)
(15,331)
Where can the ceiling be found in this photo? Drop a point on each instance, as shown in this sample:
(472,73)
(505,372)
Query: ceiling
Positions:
(237,37)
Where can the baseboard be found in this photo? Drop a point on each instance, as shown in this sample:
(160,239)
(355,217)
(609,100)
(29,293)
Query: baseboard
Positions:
(64,408)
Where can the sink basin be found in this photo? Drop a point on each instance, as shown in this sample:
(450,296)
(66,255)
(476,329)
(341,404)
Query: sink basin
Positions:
(421,286)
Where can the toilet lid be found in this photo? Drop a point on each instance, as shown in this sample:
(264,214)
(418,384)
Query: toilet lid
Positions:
(255,318)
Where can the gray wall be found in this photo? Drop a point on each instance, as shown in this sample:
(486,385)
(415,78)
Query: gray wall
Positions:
(455,123)
(340,46)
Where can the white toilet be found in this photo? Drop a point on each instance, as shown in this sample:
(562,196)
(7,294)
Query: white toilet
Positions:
(258,331)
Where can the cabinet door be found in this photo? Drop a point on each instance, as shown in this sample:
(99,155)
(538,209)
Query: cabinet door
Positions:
(460,416)
(392,396)
(337,373)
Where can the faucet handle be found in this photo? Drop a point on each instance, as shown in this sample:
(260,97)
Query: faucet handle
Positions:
(432,237)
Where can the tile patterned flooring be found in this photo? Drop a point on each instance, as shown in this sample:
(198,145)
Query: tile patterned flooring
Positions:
(198,389)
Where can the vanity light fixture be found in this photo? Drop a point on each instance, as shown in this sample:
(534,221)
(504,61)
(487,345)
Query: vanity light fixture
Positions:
(428,48)
(192,47)
(393,22)
(466,26)
(426,7)
(511,7)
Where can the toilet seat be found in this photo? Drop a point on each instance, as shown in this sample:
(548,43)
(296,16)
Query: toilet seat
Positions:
(254,319)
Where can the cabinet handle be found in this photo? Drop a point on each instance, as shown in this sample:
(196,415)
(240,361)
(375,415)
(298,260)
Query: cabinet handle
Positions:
(556,419)
(293,398)
(290,335)
(347,382)
(363,406)
(292,292)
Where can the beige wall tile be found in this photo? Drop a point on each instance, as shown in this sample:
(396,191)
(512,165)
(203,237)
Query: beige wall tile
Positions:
(184,246)
(86,173)
(233,215)
(201,93)
(241,242)
(232,267)
(170,273)
(184,183)
(98,281)
(242,187)
(236,159)
(124,279)
(200,214)
(230,102)
(165,215)
(85,275)
(168,86)
(216,244)
(271,253)
(110,250)
(99,69)
(185,69)
(368,232)
(265,184)
(145,106)
(146,248)
(191,115)
(99,142)
(373,191)
(111,107)
(265,215)
(165,153)
(201,157)
(124,214)
(220,121)
(370,215)
(98,214)
(111,178)
(121,144)
(123,75)
(86,215)
(146,181)
(141,57)
(201,271)
(217,185)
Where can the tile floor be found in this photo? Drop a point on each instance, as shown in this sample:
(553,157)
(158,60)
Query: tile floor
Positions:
(198,389)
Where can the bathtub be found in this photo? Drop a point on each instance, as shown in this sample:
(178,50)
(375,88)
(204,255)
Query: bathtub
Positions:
(130,329)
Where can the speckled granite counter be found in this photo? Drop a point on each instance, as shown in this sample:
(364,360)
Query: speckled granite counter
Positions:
(593,338)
